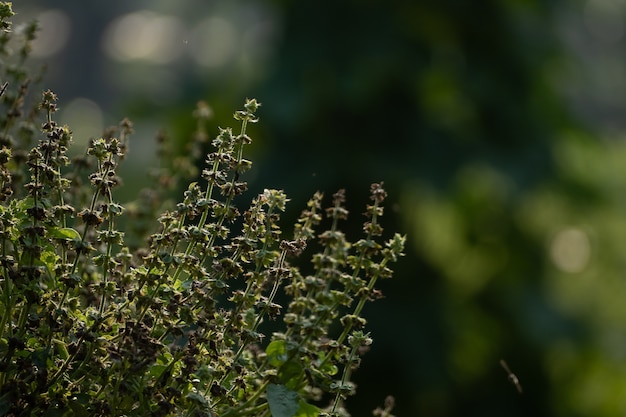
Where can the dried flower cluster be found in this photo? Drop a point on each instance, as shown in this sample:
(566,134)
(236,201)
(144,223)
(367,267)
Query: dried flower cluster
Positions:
(110,309)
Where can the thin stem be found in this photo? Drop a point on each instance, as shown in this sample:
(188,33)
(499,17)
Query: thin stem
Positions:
(345,377)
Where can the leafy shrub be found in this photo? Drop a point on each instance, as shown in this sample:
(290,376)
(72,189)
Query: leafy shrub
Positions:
(140,310)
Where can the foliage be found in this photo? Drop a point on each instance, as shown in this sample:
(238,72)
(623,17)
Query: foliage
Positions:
(112,309)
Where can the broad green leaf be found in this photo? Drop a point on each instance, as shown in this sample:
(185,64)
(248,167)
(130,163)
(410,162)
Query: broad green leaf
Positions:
(157,370)
(307,410)
(291,373)
(276,352)
(66,233)
(282,401)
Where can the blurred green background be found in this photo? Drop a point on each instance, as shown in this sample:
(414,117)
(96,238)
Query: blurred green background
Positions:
(496,126)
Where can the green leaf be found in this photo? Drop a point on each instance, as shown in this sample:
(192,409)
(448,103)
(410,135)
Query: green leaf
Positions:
(66,233)
(48,258)
(61,349)
(282,401)
(157,370)
(307,410)
(276,353)
(328,366)
(291,373)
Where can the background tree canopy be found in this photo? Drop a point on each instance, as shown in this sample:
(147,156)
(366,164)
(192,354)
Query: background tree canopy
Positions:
(478,116)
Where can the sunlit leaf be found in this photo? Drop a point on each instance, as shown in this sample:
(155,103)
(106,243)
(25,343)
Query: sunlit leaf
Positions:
(65,233)
(276,353)
(307,410)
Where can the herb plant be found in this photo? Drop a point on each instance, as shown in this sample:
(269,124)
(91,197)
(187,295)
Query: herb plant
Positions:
(152,308)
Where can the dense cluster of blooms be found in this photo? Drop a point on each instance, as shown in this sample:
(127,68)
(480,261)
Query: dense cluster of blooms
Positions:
(157,309)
